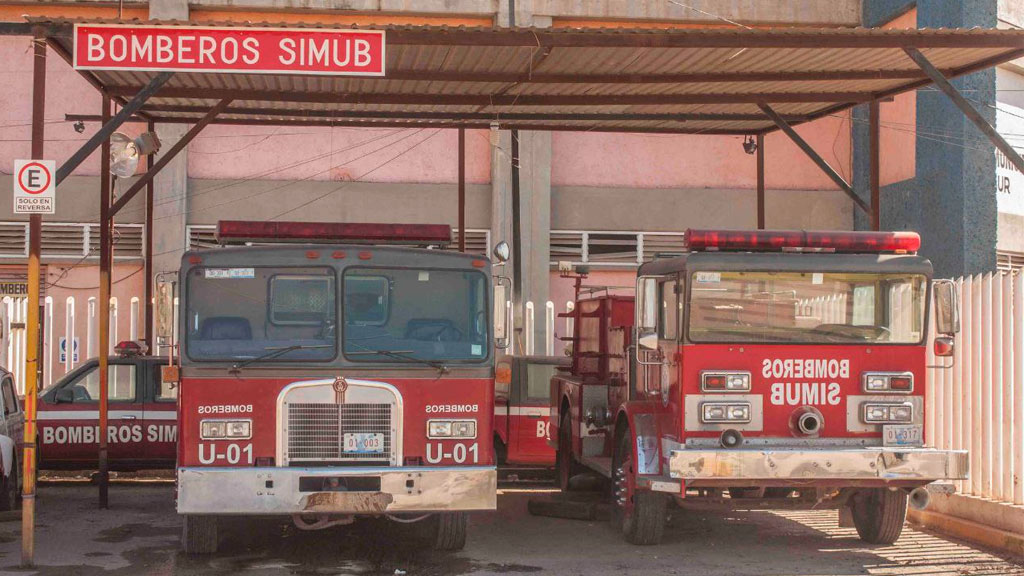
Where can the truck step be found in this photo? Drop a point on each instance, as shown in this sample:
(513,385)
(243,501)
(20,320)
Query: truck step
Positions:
(600,464)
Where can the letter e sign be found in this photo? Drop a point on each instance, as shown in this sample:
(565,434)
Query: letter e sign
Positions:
(34,186)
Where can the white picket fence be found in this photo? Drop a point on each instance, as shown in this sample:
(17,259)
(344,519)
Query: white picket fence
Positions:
(61,321)
(977,403)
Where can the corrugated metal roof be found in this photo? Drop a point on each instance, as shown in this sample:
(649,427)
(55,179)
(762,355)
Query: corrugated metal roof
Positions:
(661,80)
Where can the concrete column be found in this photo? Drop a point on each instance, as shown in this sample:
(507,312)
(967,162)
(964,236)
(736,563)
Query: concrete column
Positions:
(535,226)
(170,187)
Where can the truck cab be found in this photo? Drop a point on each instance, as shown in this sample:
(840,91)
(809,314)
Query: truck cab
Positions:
(521,414)
(762,363)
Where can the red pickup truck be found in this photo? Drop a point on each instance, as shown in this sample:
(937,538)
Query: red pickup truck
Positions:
(142,429)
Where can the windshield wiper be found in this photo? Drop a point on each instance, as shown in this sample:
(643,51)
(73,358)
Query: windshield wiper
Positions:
(274,352)
(398,355)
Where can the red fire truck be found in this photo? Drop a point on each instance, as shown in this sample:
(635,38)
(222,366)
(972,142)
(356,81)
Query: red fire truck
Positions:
(521,414)
(764,363)
(334,379)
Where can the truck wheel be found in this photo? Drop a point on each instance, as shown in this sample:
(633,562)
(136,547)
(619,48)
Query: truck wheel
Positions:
(639,514)
(199,534)
(11,496)
(879,514)
(450,531)
(565,464)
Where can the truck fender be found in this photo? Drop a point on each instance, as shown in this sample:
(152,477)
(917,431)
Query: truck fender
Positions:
(7,452)
(642,425)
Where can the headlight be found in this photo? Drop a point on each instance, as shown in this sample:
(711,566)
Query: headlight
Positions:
(888,413)
(225,429)
(725,381)
(717,412)
(888,382)
(451,429)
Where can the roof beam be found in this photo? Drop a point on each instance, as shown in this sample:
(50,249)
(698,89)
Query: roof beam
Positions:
(708,77)
(507,117)
(817,159)
(972,114)
(501,99)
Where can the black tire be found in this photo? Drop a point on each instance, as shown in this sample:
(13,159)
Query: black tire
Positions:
(565,464)
(879,515)
(199,534)
(641,518)
(11,496)
(450,530)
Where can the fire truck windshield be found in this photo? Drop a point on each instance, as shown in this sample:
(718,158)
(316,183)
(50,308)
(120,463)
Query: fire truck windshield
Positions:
(807,307)
(283,314)
(414,315)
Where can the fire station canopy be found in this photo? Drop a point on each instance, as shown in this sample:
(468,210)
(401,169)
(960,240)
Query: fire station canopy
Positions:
(708,81)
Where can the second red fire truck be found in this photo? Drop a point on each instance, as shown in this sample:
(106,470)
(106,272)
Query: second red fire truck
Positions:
(334,379)
(762,364)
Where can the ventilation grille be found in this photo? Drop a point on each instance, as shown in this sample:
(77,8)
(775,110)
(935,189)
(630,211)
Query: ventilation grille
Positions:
(71,240)
(316,431)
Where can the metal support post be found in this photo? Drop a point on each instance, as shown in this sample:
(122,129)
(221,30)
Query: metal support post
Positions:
(462,189)
(104,311)
(148,322)
(760,181)
(110,125)
(874,152)
(973,115)
(818,160)
(31,376)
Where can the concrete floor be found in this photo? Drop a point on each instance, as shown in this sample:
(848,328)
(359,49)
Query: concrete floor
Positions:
(139,535)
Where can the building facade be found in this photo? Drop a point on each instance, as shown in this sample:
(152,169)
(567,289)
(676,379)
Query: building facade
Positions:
(605,200)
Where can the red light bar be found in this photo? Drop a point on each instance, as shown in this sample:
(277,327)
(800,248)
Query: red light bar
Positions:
(241,232)
(802,241)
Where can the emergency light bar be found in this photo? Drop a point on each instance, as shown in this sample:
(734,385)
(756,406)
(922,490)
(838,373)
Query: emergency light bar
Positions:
(801,241)
(243,232)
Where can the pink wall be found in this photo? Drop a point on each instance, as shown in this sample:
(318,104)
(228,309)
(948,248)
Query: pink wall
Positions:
(693,161)
(898,120)
(365,154)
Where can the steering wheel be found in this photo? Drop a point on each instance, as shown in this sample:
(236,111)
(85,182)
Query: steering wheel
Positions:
(327,330)
(448,333)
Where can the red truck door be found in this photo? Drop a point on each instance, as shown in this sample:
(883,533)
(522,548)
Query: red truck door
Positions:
(529,410)
(69,418)
(160,417)
(656,378)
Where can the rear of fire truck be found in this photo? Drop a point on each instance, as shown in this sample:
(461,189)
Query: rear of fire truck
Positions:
(326,382)
(763,365)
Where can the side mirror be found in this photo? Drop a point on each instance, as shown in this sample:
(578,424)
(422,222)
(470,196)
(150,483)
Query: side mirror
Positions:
(502,289)
(947,308)
(64,396)
(501,252)
(645,320)
(944,346)
(648,341)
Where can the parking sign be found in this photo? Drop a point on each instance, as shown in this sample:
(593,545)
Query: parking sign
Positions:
(34,186)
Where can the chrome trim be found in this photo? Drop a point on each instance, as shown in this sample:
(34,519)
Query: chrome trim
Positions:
(854,410)
(864,413)
(924,464)
(476,429)
(864,382)
(777,442)
(705,373)
(725,420)
(692,412)
(403,489)
(397,420)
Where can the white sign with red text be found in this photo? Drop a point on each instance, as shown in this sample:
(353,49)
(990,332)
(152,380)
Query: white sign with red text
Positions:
(34,186)
(236,49)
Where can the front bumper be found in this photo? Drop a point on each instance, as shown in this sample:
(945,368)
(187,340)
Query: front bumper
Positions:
(854,465)
(256,491)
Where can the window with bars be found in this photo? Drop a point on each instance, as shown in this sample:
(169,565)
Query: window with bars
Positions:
(64,240)
(612,249)
(1009,261)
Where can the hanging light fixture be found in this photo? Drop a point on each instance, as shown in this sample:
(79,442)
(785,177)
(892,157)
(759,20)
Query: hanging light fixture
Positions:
(749,144)
(125,152)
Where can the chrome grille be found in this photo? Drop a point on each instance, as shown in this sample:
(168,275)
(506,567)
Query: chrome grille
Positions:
(315,430)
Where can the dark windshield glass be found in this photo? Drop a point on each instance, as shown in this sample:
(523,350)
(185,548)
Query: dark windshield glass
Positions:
(244,313)
(807,307)
(405,315)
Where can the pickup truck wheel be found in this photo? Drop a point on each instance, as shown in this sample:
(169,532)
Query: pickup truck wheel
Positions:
(879,514)
(11,496)
(639,514)
(199,534)
(565,464)
(450,531)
